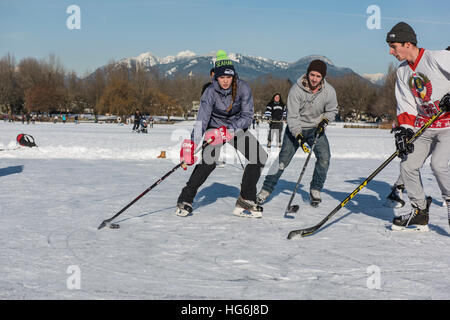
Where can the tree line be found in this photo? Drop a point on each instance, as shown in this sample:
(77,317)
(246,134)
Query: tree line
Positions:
(45,86)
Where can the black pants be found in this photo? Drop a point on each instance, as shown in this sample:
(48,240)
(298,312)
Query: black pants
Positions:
(136,125)
(275,128)
(248,145)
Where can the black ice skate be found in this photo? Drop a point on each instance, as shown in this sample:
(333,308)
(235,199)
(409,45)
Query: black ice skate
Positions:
(416,220)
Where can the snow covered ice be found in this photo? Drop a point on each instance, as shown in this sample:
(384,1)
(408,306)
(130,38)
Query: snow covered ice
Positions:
(52,199)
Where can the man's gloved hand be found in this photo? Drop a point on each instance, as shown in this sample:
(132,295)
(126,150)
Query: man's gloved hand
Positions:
(321,126)
(303,143)
(402,135)
(220,135)
(444,104)
(187,153)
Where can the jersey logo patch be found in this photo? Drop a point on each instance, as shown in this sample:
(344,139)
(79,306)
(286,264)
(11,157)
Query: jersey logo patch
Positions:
(420,86)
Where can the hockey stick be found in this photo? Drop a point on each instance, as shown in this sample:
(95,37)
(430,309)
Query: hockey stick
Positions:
(313,229)
(181,164)
(10,149)
(294,208)
(239,157)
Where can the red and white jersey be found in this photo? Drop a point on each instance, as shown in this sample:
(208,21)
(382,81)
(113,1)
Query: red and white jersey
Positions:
(420,87)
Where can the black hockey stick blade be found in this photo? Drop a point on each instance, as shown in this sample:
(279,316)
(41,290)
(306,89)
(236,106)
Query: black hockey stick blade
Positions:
(103,224)
(291,209)
(302,232)
(109,224)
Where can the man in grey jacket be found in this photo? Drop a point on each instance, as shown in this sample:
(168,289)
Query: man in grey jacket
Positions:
(311,105)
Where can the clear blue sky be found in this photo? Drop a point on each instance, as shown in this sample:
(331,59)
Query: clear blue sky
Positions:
(278,29)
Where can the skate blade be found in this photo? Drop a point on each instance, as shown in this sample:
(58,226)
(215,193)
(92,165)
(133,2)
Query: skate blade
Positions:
(182,213)
(411,228)
(241,212)
(315,204)
(393,204)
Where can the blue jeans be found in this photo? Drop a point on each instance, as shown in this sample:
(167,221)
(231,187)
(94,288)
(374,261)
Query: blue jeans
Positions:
(288,149)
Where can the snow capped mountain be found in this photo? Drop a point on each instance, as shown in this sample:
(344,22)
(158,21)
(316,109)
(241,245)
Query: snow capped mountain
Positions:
(308,59)
(248,67)
(375,78)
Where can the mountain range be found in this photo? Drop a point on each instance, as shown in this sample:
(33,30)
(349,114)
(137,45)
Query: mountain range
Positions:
(247,67)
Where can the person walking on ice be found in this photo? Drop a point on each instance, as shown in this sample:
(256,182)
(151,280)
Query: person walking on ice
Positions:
(275,113)
(226,112)
(421,90)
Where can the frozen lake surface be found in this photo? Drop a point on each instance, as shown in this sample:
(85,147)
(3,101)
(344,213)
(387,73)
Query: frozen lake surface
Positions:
(52,199)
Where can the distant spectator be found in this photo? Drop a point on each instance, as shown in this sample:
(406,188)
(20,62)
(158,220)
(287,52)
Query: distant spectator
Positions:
(151,120)
(137,120)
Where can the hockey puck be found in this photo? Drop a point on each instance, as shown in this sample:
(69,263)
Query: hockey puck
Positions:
(114,226)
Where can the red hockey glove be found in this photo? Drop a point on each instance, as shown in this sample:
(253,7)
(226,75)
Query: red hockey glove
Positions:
(220,135)
(187,152)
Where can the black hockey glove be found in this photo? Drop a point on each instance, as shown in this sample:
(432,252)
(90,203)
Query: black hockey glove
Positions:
(402,135)
(444,104)
(303,143)
(321,126)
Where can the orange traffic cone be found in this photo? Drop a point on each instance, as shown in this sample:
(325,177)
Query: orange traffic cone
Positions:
(162,155)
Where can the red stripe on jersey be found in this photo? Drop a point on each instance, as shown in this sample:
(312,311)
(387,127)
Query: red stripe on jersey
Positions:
(414,66)
(406,118)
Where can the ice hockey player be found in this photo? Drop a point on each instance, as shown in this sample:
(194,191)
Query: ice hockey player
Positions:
(226,112)
(275,113)
(395,198)
(421,90)
(311,105)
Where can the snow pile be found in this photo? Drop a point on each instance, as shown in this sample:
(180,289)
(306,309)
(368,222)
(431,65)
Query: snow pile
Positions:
(90,141)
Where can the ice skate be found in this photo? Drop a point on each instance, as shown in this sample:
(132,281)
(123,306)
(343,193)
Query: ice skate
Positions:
(394,199)
(262,196)
(247,208)
(416,220)
(183,209)
(315,198)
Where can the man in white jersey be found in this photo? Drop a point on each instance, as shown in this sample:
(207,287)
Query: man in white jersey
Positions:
(421,90)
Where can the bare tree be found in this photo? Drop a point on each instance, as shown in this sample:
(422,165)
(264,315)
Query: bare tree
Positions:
(10,95)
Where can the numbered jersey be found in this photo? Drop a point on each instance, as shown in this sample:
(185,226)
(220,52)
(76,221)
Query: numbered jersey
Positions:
(420,87)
